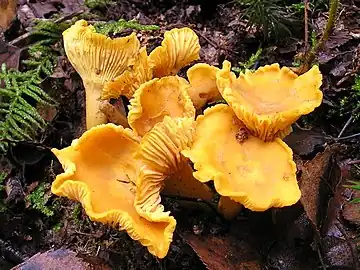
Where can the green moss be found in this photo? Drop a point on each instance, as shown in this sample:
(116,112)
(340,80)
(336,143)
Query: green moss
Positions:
(76,213)
(249,63)
(57,226)
(2,180)
(3,207)
(93,4)
(39,200)
(356,85)
(116,27)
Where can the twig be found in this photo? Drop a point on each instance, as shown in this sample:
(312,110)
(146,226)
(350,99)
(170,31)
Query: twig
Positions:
(323,265)
(306,24)
(347,137)
(68,16)
(311,54)
(87,234)
(216,46)
(208,40)
(345,126)
(21,38)
(353,162)
(97,252)
(348,121)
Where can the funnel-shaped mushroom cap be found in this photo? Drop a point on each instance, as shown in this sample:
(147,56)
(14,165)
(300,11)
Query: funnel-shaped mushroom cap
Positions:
(98,59)
(163,164)
(156,99)
(100,170)
(131,79)
(7,13)
(202,78)
(255,173)
(270,99)
(178,49)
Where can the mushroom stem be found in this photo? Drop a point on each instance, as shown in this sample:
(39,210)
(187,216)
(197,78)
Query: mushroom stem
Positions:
(228,208)
(183,183)
(94,115)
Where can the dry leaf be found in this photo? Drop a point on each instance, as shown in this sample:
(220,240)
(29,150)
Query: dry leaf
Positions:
(311,179)
(223,252)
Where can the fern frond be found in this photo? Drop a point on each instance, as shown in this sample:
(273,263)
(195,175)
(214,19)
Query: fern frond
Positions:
(18,119)
(49,31)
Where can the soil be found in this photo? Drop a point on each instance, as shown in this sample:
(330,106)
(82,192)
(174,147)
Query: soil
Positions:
(288,238)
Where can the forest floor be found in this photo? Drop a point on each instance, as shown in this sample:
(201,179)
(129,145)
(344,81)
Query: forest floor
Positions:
(322,231)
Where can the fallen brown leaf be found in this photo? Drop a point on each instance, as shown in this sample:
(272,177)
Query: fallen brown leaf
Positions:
(223,252)
(43,9)
(351,211)
(72,6)
(312,175)
(305,143)
(26,15)
(9,55)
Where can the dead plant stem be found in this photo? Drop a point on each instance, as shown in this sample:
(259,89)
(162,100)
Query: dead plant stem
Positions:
(348,121)
(306,24)
(347,137)
(354,162)
(311,54)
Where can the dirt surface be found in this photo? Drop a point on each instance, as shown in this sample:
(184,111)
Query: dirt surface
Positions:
(321,231)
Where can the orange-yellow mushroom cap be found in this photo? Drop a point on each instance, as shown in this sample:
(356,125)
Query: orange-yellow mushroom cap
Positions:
(100,172)
(156,99)
(131,79)
(98,59)
(255,173)
(202,78)
(163,166)
(270,99)
(179,48)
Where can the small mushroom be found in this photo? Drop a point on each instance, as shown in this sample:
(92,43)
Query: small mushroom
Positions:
(100,172)
(202,78)
(179,48)
(164,169)
(98,59)
(156,99)
(270,99)
(244,168)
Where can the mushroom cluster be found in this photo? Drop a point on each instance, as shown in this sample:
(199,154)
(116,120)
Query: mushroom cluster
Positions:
(118,173)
